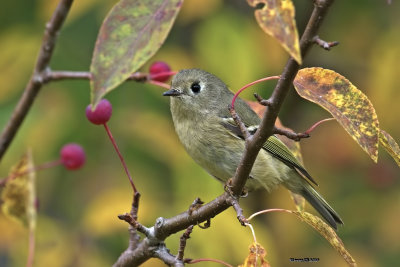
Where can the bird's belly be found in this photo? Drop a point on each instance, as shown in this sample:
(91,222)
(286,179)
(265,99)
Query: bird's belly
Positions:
(220,158)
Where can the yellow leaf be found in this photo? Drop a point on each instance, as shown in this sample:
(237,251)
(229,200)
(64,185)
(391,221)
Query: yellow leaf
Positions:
(277,18)
(348,105)
(326,231)
(390,145)
(256,256)
(18,195)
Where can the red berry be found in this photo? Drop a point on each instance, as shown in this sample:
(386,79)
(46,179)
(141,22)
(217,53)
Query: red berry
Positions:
(101,114)
(72,156)
(157,68)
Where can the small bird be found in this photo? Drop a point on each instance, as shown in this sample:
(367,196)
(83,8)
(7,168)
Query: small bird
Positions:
(199,108)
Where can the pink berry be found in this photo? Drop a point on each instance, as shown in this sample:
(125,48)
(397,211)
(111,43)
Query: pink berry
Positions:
(101,114)
(72,156)
(157,68)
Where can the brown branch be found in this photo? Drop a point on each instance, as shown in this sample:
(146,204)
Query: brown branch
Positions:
(84,75)
(256,141)
(182,244)
(290,134)
(239,211)
(37,79)
(166,227)
(237,120)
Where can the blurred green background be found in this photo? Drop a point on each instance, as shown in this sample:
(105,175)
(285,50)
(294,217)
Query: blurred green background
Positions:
(77,223)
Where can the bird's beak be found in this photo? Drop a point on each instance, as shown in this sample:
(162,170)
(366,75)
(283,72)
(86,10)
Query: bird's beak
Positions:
(172,92)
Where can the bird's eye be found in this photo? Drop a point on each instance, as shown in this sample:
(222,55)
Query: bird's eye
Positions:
(195,87)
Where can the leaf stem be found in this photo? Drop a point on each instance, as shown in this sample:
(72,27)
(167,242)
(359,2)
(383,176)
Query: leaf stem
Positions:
(315,125)
(250,84)
(209,260)
(266,211)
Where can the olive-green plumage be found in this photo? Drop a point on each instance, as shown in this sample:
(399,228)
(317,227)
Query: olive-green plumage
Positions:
(199,107)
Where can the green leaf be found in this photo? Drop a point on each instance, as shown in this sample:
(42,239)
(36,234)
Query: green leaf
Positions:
(390,145)
(277,18)
(18,195)
(131,34)
(348,105)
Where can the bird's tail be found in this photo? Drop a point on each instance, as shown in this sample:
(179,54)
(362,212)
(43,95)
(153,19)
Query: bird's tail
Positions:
(320,204)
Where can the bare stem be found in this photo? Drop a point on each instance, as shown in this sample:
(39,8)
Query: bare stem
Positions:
(37,79)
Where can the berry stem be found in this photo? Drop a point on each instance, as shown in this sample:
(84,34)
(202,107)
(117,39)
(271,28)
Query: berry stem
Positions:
(250,84)
(120,156)
(161,84)
(161,74)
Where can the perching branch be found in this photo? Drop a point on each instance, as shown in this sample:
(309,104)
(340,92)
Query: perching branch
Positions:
(37,79)
(166,227)
(256,141)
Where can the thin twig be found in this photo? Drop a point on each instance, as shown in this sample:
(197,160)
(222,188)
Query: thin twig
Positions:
(182,244)
(37,79)
(128,218)
(264,102)
(324,44)
(133,235)
(239,122)
(239,211)
(251,84)
(290,134)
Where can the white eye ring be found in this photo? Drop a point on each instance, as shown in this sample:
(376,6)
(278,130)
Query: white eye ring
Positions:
(196,87)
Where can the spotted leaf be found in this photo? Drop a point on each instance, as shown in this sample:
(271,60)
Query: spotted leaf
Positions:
(277,18)
(131,34)
(390,145)
(348,105)
(328,233)
(18,195)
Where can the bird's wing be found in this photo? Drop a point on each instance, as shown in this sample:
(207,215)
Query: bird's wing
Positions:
(273,145)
